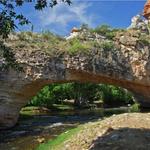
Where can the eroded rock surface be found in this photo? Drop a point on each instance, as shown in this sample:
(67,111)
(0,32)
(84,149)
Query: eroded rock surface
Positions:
(123,131)
(147,10)
(124,61)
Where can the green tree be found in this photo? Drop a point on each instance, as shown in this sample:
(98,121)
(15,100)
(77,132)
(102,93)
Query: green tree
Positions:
(8,15)
(114,96)
(44,98)
(52,94)
(84,93)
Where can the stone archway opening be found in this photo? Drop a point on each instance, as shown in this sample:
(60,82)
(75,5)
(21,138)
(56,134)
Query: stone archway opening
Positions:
(18,98)
(81,95)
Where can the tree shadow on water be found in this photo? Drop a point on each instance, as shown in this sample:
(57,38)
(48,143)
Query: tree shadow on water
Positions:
(123,139)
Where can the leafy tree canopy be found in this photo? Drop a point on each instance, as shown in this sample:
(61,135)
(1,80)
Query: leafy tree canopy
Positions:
(8,15)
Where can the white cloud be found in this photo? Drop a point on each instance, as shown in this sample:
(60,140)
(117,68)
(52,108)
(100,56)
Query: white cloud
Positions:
(59,17)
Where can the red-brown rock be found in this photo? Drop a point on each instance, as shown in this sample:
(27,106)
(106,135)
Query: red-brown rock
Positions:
(75,30)
(146,12)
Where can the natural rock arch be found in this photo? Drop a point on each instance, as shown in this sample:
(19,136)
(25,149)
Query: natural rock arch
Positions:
(126,65)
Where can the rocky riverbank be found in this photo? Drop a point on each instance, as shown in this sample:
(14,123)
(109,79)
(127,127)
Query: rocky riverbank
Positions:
(125,131)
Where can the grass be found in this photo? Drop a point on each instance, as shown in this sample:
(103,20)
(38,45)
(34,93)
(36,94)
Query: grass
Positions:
(108,46)
(28,110)
(75,45)
(46,41)
(135,108)
(62,107)
(34,110)
(56,45)
(58,142)
(27,113)
(107,31)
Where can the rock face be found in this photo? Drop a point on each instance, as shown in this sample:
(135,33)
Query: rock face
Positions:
(147,10)
(126,63)
(138,23)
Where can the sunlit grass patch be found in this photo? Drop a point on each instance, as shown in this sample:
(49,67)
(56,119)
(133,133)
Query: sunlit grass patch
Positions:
(58,142)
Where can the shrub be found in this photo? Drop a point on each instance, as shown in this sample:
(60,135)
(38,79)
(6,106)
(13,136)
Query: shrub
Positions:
(44,98)
(48,35)
(107,46)
(145,40)
(106,31)
(110,35)
(52,94)
(78,46)
(103,29)
(25,36)
(135,108)
(114,96)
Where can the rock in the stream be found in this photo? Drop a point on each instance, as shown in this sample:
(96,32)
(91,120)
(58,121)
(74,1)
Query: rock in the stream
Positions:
(40,140)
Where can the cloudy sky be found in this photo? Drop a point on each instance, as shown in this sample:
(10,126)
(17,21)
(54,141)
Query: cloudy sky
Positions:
(61,18)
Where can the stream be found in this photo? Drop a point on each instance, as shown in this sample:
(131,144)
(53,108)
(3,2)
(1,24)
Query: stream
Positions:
(37,128)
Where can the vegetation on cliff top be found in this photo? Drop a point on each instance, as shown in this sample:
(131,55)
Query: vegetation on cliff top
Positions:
(51,43)
(54,44)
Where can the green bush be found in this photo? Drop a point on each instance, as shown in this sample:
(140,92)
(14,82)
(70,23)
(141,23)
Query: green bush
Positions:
(103,29)
(135,108)
(145,40)
(106,31)
(49,36)
(78,46)
(107,46)
(44,98)
(52,94)
(114,96)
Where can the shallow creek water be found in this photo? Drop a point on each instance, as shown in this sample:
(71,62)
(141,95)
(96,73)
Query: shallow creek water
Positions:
(38,128)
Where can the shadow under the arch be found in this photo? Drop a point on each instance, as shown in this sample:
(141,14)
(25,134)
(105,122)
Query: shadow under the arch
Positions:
(123,139)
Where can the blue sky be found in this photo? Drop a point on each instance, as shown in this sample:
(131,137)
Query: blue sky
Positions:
(62,18)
